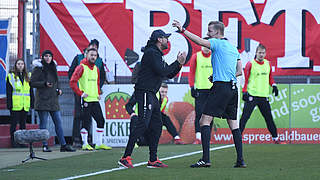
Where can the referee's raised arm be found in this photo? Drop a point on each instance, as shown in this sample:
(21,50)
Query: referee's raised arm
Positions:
(196,39)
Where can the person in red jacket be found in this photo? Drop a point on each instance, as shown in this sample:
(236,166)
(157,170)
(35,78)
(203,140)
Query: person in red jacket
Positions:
(258,78)
(87,76)
(200,70)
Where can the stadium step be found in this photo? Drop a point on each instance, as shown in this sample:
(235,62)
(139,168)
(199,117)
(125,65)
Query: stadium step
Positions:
(5,140)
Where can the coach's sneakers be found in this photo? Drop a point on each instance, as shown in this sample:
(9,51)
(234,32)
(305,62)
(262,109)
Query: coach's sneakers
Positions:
(156,164)
(240,164)
(197,141)
(126,162)
(87,147)
(178,141)
(103,147)
(200,164)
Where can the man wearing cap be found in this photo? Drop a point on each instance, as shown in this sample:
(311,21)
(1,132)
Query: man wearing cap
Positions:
(152,71)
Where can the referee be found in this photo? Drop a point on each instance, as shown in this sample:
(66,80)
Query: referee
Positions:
(223,99)
(152,71)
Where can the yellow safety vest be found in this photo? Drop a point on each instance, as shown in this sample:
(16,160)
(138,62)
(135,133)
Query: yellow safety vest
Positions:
(258,84)
(203,71)
(88,83)
(163,103)
(20,93)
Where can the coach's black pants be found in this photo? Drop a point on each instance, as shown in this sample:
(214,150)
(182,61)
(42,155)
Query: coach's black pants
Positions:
(169,125)
(200,101)
(265,109)
(149,123)
(92,109)
(15,118)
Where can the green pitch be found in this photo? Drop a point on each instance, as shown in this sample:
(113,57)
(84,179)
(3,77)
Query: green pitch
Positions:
(265,161)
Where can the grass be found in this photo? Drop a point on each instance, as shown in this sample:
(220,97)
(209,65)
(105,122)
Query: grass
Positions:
(265,161)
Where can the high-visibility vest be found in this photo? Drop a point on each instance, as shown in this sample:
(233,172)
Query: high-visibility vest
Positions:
(163,103)
(88,83)
(258,84)
(203,71)
(20,93)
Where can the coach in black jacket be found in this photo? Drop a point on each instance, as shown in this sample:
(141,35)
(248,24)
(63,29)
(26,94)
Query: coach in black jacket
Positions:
(152,71)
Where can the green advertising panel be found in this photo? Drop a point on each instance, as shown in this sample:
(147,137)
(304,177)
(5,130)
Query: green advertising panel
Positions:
(304,111)
(305,106)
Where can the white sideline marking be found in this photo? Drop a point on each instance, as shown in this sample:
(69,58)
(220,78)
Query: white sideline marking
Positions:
(143,163)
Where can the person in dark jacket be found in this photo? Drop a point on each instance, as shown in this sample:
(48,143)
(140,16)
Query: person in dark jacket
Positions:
(45,79)
(77,122)
(152,71)
(19,97)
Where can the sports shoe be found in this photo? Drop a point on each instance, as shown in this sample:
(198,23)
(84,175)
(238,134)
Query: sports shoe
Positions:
(200,164)
(178,141)
(126,162)
(67,148)
(279,142)
(87,147)
(156,164)
(136,145)
(240,164)
(197,141)
(102,147)
(46,149)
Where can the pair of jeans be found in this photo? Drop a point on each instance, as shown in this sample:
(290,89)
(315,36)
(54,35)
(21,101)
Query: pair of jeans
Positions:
(56,117)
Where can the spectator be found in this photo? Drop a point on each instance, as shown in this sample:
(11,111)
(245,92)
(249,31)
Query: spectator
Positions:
(45,79)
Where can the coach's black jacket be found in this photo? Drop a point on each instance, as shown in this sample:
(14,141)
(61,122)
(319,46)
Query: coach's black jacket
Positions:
(154,69)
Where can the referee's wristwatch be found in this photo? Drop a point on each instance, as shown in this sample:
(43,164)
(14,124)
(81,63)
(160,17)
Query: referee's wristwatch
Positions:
(182,30)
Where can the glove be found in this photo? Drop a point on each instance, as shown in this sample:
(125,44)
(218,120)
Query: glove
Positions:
(275,90)
(210,78)
(194,92)
(245,96)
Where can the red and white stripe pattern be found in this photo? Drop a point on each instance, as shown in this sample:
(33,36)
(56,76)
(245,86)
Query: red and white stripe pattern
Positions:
(67,26)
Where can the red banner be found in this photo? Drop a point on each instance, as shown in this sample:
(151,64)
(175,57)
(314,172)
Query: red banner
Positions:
(289,30)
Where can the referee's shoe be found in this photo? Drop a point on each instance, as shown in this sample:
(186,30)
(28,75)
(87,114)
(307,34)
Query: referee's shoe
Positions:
(200,164)
(240,164)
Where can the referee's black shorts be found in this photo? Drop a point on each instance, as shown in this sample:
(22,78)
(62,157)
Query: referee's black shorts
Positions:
(222,101)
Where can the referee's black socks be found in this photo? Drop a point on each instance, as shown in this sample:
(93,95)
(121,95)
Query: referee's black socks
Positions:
(205,139)
(238,143)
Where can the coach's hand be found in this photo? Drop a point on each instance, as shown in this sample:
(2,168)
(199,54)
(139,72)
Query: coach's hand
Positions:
(275,90)
(181,57)
(245,96)
(194,92)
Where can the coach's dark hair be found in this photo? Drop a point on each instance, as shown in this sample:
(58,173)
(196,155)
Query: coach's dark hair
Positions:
(218,26)
(164,85)
(91,49)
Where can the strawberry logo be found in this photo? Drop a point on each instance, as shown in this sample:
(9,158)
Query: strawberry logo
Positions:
(115,105)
